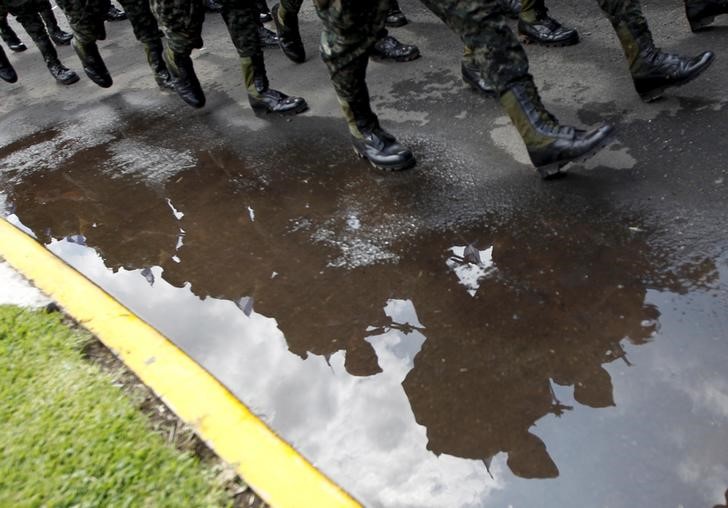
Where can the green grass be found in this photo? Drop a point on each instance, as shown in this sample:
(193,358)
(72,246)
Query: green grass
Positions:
(69,437)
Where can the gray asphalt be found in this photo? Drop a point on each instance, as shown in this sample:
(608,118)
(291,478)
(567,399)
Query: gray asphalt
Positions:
(581,362)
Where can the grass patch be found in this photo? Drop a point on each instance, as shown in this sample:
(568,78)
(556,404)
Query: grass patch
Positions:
(69,437)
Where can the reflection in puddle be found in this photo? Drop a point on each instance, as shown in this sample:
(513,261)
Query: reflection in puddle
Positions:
(470,265)
(332,307)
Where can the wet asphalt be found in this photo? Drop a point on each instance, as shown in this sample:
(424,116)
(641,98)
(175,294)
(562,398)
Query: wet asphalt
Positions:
(460,335)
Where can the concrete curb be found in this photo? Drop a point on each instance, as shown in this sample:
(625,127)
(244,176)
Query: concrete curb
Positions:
(276,472)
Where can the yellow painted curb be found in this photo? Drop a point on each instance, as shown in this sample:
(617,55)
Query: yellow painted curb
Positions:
(277,473)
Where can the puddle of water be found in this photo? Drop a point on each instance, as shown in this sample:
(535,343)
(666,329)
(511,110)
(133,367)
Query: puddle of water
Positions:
(419,357)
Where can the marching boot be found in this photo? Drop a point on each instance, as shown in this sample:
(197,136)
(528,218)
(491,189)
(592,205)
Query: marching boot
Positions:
(58,36)
(262,98)
(114,14)
(550,145)
(702,13)
(370,141)
(389,48)
(60,72)
(537,27)
(7,73)
(268,38)
(289,37)
(154,52)
(10,37)
(395,17)
(653,70)
(93,64)
(184,78)
(263,11)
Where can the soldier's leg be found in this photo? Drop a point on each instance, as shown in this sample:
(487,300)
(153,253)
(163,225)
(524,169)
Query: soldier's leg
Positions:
(58,36)
(536,26)
(8,34)
(349,33)
(146,30)
(241,18)
(181,21)
(26,12)
(653,70)
(285,17)
(86,18)
(701,13)
(7,73)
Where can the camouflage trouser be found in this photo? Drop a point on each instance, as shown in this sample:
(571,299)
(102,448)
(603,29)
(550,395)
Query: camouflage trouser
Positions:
(631,27)
(26,12)
(145,27)
(86,18)
(181,21)
(350,29)
(242,20)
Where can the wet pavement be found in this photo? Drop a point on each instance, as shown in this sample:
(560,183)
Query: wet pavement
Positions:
(462,335)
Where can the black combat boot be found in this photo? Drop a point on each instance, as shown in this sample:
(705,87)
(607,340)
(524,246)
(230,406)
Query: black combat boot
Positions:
(63,74)
(546,31)
(10,37)
(184,78)
(263,11)
(395,18)
(473,77)
(154,52)
(389,48)
(370,141)
(7,73)
(702,13)
(262,98)
(93,64)
(512,8)
(58,36)
(289,37)
(659,71)
(59,71)
(114,14)
(268,38)
(550,145)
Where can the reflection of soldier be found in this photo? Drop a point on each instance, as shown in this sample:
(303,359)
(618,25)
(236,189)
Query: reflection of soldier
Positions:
(77,201)
(486,372)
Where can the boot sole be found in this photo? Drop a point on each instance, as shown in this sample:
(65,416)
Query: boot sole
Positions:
(657,93)
(559,169)
(528,40)
(402,166)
